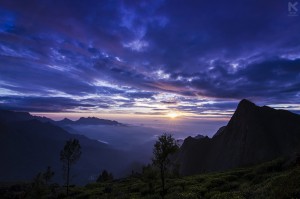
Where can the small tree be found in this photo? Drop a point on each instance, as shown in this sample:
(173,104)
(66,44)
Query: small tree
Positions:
(38,189)
(69,155)
(105,176)
(40,184)
(149,176)
(47,176)
(163,148)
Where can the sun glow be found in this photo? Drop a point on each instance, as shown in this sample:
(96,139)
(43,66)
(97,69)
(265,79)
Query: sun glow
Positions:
(172,115)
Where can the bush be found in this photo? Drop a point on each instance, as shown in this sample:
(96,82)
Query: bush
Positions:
(228,195)
(105,176)
(184,195)
(108,189)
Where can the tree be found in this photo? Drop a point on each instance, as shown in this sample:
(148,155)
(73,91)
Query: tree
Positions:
(47,176)
(38,189)
(105,176)
(149,176)
(68,156)
(163,148)
(40,186)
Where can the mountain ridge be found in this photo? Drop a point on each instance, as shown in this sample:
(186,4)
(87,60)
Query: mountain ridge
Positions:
(28,146)
(89,121)
(12,116)
(253,135)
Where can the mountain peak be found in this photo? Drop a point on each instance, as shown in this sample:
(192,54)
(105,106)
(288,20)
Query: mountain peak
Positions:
(66,120)
(85,119)
(245,107)
(97,121)
(199,136)
(254,134)
(246,103)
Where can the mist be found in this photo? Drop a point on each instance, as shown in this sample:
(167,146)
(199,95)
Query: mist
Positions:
(136,141)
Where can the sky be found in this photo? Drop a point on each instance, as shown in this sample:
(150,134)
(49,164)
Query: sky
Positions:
(148,59)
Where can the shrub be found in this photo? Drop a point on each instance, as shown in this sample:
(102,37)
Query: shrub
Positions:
(228,195)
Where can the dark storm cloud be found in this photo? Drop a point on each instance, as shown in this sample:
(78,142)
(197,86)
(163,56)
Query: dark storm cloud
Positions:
(271,78)
(138,49)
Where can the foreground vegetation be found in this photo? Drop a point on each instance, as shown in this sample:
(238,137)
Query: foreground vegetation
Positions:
(275,179)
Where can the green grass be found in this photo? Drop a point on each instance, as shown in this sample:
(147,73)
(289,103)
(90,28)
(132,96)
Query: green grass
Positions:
(266,181)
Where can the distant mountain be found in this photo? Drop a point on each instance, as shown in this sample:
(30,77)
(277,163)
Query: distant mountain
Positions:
(179,142)
(12,116)
(28,146)
(65,121)
(199,136)
(253,135)
(89,121)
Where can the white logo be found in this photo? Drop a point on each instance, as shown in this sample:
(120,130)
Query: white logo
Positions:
(292,8)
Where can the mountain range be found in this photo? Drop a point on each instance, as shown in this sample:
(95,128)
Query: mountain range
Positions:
(28,144)
(89,121)
(9,116)
(253,135)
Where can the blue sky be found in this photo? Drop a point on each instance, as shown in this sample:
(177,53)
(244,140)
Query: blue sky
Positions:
(157,58)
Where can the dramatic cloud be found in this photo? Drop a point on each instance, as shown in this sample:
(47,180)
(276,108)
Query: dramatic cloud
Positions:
(197,58)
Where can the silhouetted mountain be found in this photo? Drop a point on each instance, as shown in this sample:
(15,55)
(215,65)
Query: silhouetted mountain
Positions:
(179,142)
(221,129)
(199,136)
(253,135)
(66,121)
(12,116)
(28,146)
(89,121)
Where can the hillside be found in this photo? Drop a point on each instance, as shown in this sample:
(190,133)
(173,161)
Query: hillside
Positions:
(28,146)
(278,179)
(253,135)
(274,179)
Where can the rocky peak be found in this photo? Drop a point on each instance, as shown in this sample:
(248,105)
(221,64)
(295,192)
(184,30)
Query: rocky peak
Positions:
(245,106)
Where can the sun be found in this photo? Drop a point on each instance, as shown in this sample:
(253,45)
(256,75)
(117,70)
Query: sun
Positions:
(172,115)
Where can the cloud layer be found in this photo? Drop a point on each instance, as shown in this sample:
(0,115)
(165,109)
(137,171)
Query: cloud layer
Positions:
(197,58)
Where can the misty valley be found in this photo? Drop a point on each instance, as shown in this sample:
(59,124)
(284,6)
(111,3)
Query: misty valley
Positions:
(134,143)
(251,156)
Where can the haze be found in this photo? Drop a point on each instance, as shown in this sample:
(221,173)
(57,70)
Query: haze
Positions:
(184,64)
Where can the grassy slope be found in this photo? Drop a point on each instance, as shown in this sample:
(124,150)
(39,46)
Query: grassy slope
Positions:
(268,180)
